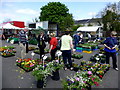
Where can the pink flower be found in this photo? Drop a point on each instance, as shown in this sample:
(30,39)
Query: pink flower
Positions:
(31,65)
(83,89)
(57,60)
(93,79)
(19,61)
(84,81)
(78,79)
(96,83)
(89,72)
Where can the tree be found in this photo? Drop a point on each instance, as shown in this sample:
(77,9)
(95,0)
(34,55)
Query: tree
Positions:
(57,12)
(110,18)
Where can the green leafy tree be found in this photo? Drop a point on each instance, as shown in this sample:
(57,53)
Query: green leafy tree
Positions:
(57,12)
(110,18)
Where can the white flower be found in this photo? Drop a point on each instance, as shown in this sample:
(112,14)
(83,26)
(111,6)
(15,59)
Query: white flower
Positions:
(97,58)
(100,54)
(32,53)
(59,53)
(44,57)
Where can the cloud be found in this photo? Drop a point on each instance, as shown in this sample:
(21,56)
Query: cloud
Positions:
(8,15)
(8,5)
(27,11)
(92,14)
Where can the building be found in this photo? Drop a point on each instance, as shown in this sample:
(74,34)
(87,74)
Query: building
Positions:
(91,22)
(45,26)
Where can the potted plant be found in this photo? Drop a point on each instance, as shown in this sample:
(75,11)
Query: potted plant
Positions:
(76,67)
(56,65)
(41,73)
(75,82)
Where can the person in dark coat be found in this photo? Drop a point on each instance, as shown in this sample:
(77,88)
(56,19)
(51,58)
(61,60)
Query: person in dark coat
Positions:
(41,44)
(110,44)
(76,39)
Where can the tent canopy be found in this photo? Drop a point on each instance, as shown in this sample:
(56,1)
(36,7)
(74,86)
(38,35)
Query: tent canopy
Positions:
(9,26)
(89,29)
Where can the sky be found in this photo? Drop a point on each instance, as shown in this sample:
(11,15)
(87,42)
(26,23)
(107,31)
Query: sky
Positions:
(27,11)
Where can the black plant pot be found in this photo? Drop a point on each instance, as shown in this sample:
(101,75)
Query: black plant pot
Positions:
(89,87)
(55,75)
(76,69)
(40,84)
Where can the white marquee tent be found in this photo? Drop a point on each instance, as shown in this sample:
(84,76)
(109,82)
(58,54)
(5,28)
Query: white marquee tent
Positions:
(91,29)
(9,26)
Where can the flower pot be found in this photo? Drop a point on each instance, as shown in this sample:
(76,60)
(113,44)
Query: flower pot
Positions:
(40,84)
(89,87)
(55,75)
(75,69)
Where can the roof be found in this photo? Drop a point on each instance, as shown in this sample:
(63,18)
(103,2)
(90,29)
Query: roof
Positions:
(89,29)
(19,24)
(9,26)
(97,20)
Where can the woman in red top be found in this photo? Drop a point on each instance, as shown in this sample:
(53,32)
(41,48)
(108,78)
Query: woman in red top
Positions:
(53,46)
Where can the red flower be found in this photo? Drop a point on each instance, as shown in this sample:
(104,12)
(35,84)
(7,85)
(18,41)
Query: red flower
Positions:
(96,83)
(100,76)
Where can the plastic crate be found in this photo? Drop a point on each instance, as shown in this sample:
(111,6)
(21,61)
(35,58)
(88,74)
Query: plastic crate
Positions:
(78,50)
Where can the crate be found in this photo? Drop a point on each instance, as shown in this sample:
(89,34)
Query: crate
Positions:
(78,50)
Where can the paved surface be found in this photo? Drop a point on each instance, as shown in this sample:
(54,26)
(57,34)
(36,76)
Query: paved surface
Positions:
(15,77)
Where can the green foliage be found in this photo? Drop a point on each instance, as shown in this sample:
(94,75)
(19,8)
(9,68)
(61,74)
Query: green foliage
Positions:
(57,12)
(41,72)
(81,80)
(110,18)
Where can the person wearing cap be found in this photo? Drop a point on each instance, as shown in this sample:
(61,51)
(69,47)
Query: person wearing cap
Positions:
(110,44)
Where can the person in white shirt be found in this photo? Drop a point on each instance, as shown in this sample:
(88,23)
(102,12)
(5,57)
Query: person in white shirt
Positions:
(66,47)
